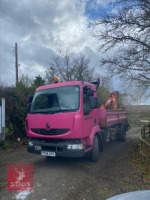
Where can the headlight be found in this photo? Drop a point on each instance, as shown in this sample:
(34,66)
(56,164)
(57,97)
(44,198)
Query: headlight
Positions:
(75,146)
(30,144)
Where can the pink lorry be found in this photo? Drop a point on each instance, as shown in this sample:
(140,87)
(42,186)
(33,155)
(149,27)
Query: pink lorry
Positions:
(64,120)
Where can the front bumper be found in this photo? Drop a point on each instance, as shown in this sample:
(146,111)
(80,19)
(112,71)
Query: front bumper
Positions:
(59,147)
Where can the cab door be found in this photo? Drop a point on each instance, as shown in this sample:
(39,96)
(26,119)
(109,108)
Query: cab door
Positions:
(88,114)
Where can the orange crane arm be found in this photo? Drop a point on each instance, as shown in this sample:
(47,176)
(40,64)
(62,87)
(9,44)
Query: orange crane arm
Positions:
(111,100)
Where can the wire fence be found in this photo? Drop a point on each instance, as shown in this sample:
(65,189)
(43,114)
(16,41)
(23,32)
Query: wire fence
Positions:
(145,142)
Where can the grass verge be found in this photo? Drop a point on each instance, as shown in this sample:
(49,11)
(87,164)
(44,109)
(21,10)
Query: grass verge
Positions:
(140,163)
(10,145)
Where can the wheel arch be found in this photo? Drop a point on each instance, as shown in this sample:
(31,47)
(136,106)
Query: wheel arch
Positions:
(94,131)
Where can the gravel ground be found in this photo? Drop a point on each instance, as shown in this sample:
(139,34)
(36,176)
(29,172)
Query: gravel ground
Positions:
(77,179)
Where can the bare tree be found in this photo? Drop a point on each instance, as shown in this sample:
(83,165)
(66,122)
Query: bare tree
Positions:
(83,72)
(50,74)
(105,81)
(126,31)
(61,65)
(70,66)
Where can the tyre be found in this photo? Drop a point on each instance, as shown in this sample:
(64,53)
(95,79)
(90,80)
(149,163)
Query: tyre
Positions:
(122,134)
(95,150)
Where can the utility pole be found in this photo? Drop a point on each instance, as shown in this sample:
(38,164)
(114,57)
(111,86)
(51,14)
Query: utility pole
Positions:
(16,62)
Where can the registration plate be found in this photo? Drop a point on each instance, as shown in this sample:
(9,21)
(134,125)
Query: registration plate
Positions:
(47,153)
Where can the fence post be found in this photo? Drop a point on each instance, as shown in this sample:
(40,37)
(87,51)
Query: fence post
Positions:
(144,132)
(144,143)
(149,130)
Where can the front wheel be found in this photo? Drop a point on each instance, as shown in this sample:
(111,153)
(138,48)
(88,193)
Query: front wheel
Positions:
(95,150)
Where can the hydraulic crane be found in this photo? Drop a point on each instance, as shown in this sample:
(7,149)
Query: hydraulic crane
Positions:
(111,100)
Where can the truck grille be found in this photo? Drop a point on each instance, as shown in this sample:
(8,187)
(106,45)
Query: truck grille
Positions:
(49,132)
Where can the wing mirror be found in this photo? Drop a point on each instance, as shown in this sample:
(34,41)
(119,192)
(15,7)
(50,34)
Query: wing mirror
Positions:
(88,91)
(94,102)
(30,98)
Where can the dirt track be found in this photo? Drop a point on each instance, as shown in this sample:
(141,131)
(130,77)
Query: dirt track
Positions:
(77,179)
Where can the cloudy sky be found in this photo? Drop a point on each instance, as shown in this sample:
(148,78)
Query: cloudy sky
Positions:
(40,27)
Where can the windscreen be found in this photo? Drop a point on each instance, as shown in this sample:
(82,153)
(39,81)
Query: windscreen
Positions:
(55,100)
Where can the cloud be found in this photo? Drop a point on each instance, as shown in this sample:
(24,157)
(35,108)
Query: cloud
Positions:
(40,27)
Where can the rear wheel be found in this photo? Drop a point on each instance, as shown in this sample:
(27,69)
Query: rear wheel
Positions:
(122,134)
(95,150)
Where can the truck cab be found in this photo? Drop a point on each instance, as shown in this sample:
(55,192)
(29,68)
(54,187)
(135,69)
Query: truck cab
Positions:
(63,120)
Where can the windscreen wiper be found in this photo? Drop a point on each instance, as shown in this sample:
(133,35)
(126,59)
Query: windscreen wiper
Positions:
(65,110)
(54,111)
(43,112)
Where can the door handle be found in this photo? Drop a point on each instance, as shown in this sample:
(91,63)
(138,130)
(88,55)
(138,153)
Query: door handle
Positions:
(86,118)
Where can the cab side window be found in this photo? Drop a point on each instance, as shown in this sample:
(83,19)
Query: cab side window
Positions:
(86,104)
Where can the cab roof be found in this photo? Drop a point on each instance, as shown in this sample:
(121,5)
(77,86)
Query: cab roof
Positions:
(68,83)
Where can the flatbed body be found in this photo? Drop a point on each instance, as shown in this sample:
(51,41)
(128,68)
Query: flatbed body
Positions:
(109,118)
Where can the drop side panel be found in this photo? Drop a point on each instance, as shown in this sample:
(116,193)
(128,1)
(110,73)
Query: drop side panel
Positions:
(109,118)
